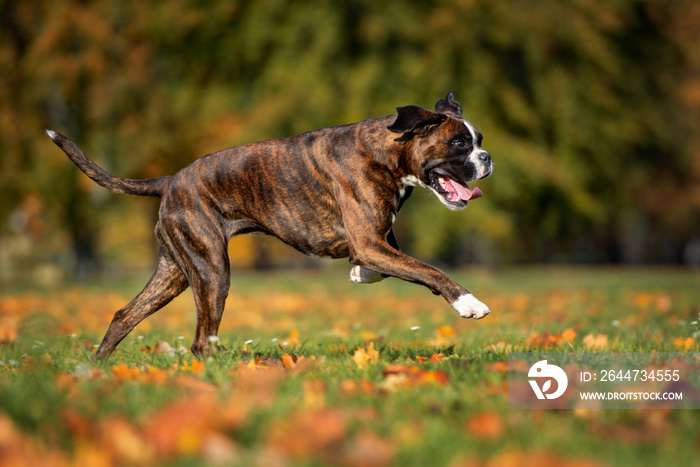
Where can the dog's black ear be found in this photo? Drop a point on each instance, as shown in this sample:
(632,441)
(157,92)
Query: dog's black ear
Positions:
(413,120)
(449,105)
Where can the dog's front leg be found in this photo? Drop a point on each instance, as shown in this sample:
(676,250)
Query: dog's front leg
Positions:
(370,249)
(362,275)
(380,257)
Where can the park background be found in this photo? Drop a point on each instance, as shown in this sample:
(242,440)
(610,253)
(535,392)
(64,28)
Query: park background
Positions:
(590,110)
(587,238)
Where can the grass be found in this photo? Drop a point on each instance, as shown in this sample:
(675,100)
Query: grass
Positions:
(318,371)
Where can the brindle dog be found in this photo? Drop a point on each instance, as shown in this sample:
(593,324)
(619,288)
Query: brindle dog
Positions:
(333,192)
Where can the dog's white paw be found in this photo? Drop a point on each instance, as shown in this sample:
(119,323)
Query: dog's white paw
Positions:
(468,306)
(361,275)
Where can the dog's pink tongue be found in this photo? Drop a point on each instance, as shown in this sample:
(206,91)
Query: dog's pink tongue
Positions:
(464,192)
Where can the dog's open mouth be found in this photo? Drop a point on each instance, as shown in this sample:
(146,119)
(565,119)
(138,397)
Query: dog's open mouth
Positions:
(453,190)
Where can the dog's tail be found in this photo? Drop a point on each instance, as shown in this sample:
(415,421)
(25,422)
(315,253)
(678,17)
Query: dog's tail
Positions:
(150,187)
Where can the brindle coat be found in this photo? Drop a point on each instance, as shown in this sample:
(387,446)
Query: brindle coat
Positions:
(332,192)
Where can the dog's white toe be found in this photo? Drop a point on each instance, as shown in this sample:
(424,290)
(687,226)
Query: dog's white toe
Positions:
(468,306)
(362,275)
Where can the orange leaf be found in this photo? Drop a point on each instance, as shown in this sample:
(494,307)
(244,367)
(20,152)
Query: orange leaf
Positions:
(288,361)
(596,343)
(685,343)
(155,375)
(125,372)
(363,357)
(195,367)
(308,433)
(435,358)
(499,346)
(550,340)
(396,376)
(122,440)
(568,335)
(433,376)
(485,425)
(501,367)
(446,331)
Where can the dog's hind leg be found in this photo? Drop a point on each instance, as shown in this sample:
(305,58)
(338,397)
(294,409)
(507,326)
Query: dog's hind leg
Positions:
(201,251)
(210,285)
(166,283)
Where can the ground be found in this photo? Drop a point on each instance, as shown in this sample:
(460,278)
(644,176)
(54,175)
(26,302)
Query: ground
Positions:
(318,371)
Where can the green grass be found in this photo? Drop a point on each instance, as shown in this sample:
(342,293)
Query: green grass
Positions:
(145,407)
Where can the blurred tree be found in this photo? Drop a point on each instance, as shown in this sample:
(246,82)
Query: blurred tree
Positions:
(590,109)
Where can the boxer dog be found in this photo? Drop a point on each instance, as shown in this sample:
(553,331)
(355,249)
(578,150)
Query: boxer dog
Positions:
(331,193)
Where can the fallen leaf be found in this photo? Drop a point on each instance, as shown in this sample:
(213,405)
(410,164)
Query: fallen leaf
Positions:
(398,376)
(433,376)
(485,425)
(125,372)
(394,381)
(348,386)
(444,335)
(596,343)
(154,375)
(539,340)
(446,331)
(195,367)
(686,344)
(124,441)
(363,358)
(500,367)
(177,427)
(308,433)
(289,361)
(499,346)
(509,458)
(164,347)
(435,358)
(643,300)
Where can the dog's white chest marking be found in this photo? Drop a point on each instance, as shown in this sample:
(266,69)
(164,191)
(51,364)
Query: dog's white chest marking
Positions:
(412,180)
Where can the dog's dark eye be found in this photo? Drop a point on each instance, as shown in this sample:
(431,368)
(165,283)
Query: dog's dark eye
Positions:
(460,143)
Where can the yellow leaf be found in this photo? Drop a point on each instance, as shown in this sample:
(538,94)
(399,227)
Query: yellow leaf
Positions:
(596,343)
(363,357)
(446,331)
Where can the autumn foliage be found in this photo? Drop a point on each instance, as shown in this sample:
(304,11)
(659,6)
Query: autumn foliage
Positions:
(589,109)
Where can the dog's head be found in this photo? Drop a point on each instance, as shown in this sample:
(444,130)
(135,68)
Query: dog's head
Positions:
(446,151)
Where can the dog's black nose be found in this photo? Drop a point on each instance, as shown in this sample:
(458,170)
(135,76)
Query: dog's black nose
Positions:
(485,157)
